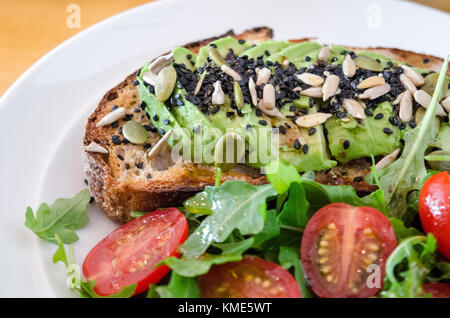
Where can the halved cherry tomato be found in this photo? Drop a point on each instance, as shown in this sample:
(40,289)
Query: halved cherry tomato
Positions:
(434,210)
(252,277)
(129,254)
(438,290)
(339,244)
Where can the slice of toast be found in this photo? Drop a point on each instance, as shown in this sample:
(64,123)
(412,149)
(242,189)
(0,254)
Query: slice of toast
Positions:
(125,180)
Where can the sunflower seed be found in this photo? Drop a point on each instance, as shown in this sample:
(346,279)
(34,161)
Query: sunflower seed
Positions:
(297,89)
(375,92)
(269,96)
(446,104)
(95,147)
(149,78)
(161,62)
(354,108)
(312,120)
(349,66)
(405,111)
(252,89)
(423,99)
(371,82)
(408,83)
(310,79)
(199,83)
(165,83)
(330,86)
(398,98)
(387,160)
(315,92)
(415,76)
(159,145)
(286,62)
(228,70)
(273,112)
(324,54)
(216,57)
(238,96)
(112,117)
(218,96)
(263,76)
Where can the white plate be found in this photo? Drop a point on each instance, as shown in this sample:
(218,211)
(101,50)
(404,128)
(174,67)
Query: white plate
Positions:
(43,114)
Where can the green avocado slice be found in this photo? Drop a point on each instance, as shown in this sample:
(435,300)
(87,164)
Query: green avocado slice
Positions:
(298,54)
(182,55)
(223,47)
(269,46)
(352,140)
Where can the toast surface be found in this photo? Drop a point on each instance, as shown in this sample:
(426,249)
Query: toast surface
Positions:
(125,180)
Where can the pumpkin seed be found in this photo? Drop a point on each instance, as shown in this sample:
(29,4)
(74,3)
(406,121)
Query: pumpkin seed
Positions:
(439,160)
(366,63)
(165,83)
(135,132)
(216,57)
(430,84)
(238,96)
(229,150)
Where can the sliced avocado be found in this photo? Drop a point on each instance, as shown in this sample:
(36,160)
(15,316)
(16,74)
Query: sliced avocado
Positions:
(352,140)
(182,55)
(317,156)
(301,54)
(270,46)
(223,47)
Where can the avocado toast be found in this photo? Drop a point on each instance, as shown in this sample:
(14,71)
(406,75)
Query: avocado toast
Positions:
(362,115)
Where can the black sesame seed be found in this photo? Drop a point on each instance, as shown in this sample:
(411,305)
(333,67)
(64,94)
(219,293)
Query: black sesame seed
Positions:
(368,112)
(147,146)
(357,179)
(135,83)
(282,129)
(189,56)
(155,118)
(166,121)
(267,53)
(197,129)
(296,144)
(215,109)
(161,131)
(312,131)
(91,200)
(142,105)
(241,42)
(86,182)
(334,59)
(263,122)
(425,60)
(149,176)
(140,165)
(230,114)
(137,110)
(121,157)
(387,131)
(287,125)
(412,124)
(292,108)
(401,126)
(213,45)
(305,149)
(346,144)
(307,58)
(115,124)
(248,127)
(114,107)
(379,116)
(127,166)
(258,112)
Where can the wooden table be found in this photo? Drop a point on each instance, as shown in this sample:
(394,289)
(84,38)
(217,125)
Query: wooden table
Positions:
(30,28)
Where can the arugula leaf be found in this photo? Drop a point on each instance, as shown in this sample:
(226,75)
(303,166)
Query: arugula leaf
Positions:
(178,287)
(290,257)
(192,267)
(74,279)
(281,175)
(294,212)
(62,218)
(234,205)
(401,231)
(407,173)
(271,229)
(408,266)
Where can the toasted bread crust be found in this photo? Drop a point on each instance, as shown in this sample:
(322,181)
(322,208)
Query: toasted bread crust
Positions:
(117,196)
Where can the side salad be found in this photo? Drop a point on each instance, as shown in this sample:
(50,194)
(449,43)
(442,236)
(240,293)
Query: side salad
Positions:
(293,237)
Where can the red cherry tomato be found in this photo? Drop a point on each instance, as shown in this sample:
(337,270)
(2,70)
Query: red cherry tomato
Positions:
(438,290)
(252,277)
(434,210)
(340,245)
(129,254)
